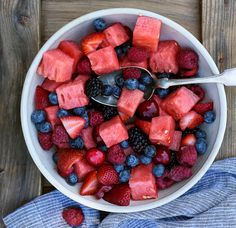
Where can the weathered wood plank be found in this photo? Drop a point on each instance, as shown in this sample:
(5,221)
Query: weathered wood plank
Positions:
(219,37)
(20,180)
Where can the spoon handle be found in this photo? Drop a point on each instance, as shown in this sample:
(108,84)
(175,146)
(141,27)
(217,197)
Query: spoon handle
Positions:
(228,78)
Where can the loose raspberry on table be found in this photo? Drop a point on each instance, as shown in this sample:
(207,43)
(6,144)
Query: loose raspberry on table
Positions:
(116,155)
(73,216)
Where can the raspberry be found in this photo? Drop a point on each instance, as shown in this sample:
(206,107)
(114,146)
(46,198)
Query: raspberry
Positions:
(199,91)
(60,137)
(107,175)
(187,59)
(84,67)
(95,118)
(131,73)
(136,54)
(179,173)
(164,182)
(45,140)
(73,216)
(187,156)
(202,108)
(116,155)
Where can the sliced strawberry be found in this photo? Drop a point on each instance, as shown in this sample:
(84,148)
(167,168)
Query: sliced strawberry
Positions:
(202,108)
(188,140)
(82,168)
(50,85)
(102,189)
(73,125)
(91,42)
(87,136)
(41,98)
(143,125)
(52,115)
(190,120)
(119,195)
(107,175)
(189,73)
(90,184)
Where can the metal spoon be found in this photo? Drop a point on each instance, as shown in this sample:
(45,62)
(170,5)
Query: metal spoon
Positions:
(228,78)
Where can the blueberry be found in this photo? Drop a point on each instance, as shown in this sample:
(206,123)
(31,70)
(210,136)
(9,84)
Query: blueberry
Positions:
(126,47)
(85,116)
(107,90)
(116,91)
(201,145)
(164,75)
(99,24)
(62,112)
(146,79)
(72,179)
(53,98)
(142,87)
(119,168)
(55,157)
(124,144)
(79,111)
(119,51)
(131,83)
(38,116)
(162,93)
(124,175)
(44,127)
(200,133)
(209,117)
(158,170)
(119,81)
(150,151)
(103,148)
(145,159)
(132,160)
(77,143)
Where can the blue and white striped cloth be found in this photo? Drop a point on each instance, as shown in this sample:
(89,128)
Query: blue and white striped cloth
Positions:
(210,203)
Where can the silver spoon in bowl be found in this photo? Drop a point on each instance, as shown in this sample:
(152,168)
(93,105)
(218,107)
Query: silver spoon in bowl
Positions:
(228,78)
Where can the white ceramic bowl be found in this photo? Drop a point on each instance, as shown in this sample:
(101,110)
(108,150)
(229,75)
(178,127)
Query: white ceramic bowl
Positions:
(75,30)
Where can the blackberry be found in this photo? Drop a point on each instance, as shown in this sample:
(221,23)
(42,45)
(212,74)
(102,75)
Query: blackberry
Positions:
(173,160)
(109,112)
(137,139)
(94,87)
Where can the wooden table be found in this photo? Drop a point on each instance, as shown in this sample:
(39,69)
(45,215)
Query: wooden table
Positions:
(26,25)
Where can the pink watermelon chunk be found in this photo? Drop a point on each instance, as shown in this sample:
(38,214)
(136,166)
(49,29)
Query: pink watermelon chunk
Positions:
(52,115)
(129,101)
(175,145)
(113,131)
(142,183)
(116,34)
(180,102)
(147,33)
(72,95)
(162,130)
(104,60)
(82,78)
(50,85)
(165,59)
(87,136)
(124,62)
(56,65)
(82,168)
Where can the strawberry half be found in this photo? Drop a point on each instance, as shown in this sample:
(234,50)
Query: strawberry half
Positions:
(143,125)
(41,98)
(73,125)
(119,195)
(190,120)
(82,168)
(188,140)
(202,108)
(90,184)
(107,175)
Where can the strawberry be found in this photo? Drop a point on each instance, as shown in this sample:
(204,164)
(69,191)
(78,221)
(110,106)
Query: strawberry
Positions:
(199,91)
(41,98)
(91,42)
(52,115)
(45,140)
(131,73)
(187,59)
(107,175)
(179,173)
(59,137)
(73,216)
(143,125)
(102,189)
(82,168)
(175,144)
(116,155)
(90,184)
(187,156)
(95,118)
(189,73)
(202,108)
(73,125)
(190,120)
(87,136)
(66,159)
(95,157)
(137,54)
(84,67)
(119,195)
(188,140)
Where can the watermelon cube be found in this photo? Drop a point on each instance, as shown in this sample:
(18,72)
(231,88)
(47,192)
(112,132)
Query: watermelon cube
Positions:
(124,62)
(113,131)
(175,145)
(147,33)
(72,49)
(162,130)
(142,183)
(50,85)
(82,78)
(52,115)
(56,65)
(82,168)
(165,58)
(129,101)
(72,95)
(104,60)
(180,102)
(87,136)
(116,34)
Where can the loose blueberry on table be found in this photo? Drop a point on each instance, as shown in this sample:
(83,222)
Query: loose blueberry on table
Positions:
(139,147)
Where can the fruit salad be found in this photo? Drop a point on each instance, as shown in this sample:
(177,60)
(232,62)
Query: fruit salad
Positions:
(132,151)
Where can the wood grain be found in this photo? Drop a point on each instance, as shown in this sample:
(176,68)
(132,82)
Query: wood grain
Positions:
(19,41)
(219,37)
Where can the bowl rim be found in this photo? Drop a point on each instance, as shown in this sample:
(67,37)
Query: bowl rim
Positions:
(81,199)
